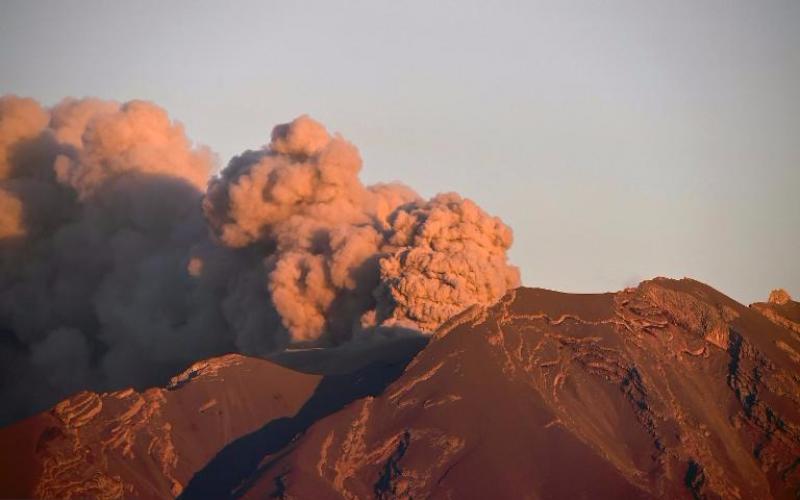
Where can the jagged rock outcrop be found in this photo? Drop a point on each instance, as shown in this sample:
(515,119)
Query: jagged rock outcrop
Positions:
(146,444)
(779,296)
(667,390)
(781,310)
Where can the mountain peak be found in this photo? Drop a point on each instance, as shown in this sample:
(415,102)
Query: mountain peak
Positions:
(781,310)
(779,296)
(669,389)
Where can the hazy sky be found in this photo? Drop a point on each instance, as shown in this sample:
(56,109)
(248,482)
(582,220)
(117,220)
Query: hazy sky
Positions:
(620,140)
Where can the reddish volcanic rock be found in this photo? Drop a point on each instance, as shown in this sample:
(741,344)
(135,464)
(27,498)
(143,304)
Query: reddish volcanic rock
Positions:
(669,390)
(781,310)
(779,296)
(146,444)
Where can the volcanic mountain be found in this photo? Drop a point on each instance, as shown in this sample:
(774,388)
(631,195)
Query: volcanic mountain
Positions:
(666,390)
(146,444)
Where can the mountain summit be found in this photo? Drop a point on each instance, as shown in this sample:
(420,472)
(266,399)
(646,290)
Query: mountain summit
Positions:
(667,390)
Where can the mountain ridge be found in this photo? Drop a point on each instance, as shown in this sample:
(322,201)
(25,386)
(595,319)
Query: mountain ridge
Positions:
(668,389)
(145,443)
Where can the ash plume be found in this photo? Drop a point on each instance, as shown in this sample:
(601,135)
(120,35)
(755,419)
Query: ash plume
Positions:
(104,204)
(122,262)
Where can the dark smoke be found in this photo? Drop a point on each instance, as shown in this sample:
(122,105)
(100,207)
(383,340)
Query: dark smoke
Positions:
(118,268)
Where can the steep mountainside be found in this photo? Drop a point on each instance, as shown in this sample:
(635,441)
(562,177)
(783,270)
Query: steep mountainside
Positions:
(668,390)
(145,444)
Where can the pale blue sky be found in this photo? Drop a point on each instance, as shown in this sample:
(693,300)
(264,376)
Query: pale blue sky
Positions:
(620,140)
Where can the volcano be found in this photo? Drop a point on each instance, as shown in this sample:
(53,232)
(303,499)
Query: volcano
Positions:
(666,390)
(146,444)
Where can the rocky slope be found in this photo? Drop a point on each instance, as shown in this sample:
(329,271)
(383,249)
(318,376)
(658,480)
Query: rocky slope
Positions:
(145,444)
(781,310)
(668,390)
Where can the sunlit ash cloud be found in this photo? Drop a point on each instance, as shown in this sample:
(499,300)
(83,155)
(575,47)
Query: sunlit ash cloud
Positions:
(122,261)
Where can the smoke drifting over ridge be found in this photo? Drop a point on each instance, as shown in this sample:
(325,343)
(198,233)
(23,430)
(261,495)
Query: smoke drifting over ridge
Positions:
(118,267)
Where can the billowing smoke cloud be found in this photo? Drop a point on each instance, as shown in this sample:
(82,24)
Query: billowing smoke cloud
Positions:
(118,267)
(101,207)
(342,257)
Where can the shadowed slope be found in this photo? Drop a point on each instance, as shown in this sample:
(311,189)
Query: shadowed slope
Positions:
(241,459)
